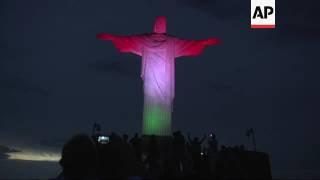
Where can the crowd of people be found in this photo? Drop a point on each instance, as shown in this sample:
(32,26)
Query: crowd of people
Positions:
(141,157)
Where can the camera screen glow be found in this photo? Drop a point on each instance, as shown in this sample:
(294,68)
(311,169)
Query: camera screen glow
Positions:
(103,139)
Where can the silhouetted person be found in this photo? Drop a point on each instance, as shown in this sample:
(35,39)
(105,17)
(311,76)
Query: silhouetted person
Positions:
(153,157)
(196,151)
(96,131)
(179,141)
(212,143)
(135,140)
(223,148)
(212,154)
(179,153)
(117,161)
(79,159)
(125,138)
(136,145)
(242,147)
(196,143)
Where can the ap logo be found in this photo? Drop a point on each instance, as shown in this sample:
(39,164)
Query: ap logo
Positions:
(263,14)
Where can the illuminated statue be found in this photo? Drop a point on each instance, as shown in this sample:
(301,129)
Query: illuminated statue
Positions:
(158,51)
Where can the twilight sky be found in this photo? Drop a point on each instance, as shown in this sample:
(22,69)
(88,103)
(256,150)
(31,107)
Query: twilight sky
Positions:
(57,79)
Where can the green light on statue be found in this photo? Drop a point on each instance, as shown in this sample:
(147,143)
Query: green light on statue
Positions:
(157,121)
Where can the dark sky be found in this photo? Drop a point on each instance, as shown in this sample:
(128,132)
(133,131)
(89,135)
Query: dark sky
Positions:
(57,79)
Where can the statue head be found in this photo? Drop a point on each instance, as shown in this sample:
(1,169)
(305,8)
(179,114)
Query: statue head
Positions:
(160,25)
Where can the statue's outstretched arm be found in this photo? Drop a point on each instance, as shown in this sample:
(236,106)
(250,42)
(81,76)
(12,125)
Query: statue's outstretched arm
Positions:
(105,36)
(129,44)
(211,41)
(192,47)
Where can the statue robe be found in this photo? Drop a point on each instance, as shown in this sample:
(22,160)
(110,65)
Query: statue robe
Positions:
(158,53)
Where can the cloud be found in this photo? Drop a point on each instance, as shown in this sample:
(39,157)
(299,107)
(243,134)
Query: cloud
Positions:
(35,156)
(4,150)
(52,143)
(7,153)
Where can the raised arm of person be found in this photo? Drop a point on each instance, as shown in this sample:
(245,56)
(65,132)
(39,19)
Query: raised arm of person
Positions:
(127,44)
(189,139)
(192,47)
(203,138)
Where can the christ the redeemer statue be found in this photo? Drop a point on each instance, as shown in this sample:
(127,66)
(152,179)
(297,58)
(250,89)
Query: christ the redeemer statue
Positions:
(158,51)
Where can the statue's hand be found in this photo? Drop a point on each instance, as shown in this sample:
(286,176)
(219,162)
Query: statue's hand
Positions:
(212,41)
(104,36)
